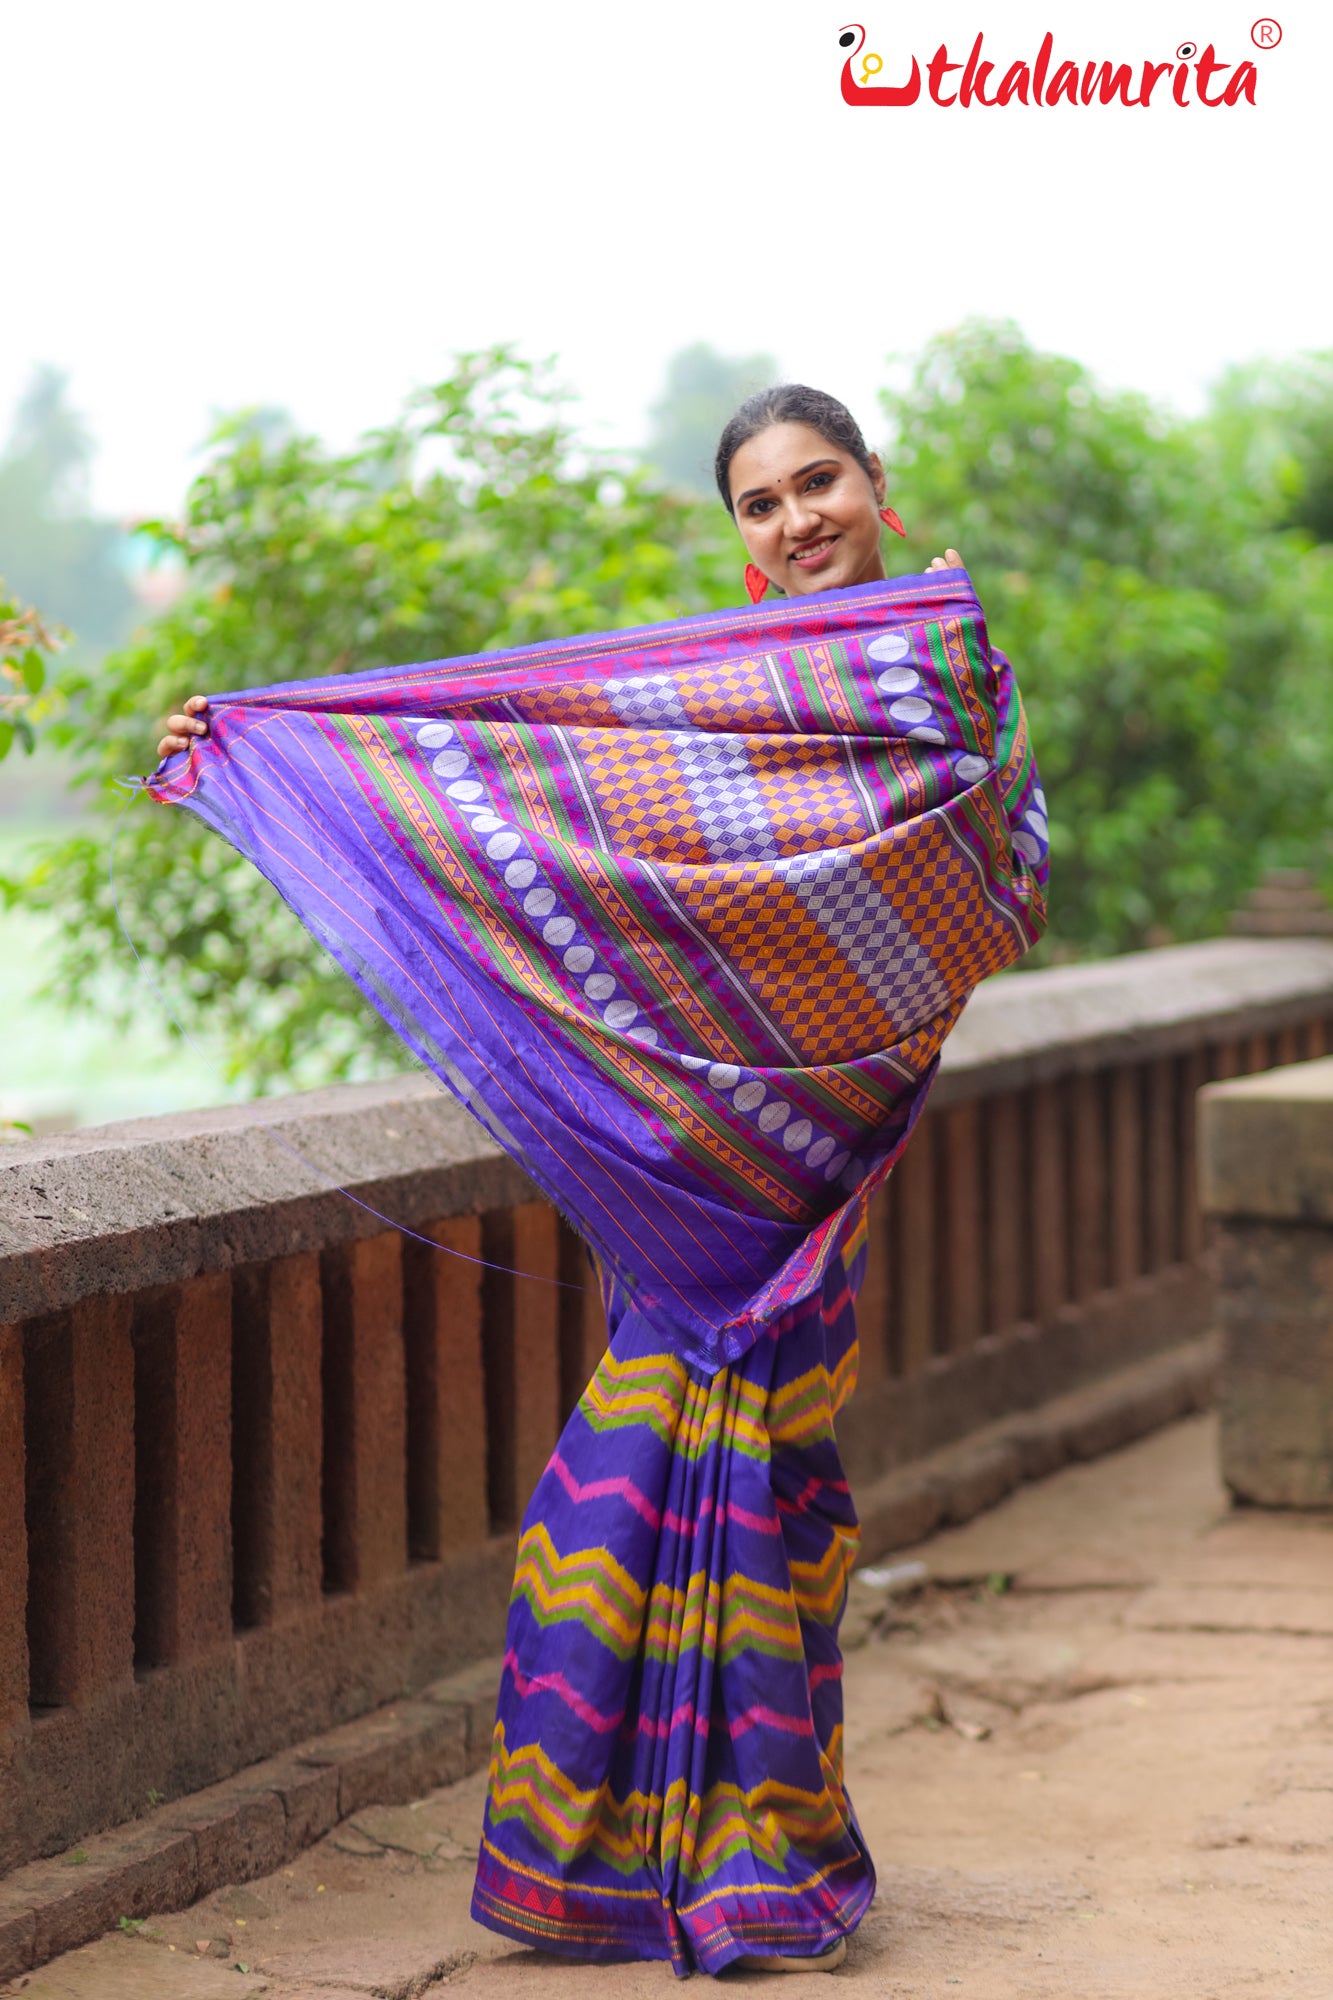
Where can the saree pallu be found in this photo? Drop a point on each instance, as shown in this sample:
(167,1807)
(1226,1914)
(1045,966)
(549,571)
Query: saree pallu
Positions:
(683,916)
(666,1778)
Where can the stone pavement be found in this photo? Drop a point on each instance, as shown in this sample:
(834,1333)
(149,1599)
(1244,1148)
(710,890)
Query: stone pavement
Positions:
(1093,1759)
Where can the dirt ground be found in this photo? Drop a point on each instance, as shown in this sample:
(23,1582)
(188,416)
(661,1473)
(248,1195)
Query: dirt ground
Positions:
(1093,1758)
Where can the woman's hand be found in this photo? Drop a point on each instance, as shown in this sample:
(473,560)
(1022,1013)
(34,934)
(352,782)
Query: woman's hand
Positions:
(182,729)
(949,560)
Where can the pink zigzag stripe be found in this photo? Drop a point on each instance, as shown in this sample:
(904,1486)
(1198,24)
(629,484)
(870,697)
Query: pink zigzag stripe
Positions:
(753,1718)
(556,1683)
(625,1489)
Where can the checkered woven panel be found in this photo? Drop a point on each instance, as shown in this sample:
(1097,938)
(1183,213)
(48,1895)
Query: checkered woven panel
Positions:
(647,701)
(851,908)
(935,886)
(764,929)
(641,795)
(810,800)
(727,802)
(727,694)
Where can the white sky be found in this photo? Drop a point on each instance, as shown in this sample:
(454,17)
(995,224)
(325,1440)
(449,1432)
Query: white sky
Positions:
(313,205)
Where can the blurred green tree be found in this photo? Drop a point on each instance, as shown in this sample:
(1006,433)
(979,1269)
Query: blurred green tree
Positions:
(476,521)
(703,389)
(1165,588)
(53,548)
(1161,589)
(27,642)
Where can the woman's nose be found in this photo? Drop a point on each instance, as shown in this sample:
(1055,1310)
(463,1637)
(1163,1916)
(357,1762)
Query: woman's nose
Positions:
(801,518)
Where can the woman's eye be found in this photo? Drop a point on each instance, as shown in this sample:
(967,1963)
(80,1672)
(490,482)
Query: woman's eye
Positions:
(819,479)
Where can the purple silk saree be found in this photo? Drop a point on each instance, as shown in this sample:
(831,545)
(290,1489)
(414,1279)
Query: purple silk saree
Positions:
(683,916)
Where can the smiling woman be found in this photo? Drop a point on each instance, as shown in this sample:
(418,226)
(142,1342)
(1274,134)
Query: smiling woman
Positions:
(684,915)
(808,497)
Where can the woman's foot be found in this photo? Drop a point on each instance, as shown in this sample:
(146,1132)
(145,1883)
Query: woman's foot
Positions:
(824,1961)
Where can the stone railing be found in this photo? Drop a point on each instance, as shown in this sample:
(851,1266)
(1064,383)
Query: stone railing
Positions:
(262,1458)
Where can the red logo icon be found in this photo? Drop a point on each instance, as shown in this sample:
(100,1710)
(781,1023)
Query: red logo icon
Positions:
(1265,34)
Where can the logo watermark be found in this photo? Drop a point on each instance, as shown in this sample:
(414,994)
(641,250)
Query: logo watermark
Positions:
(1192,76)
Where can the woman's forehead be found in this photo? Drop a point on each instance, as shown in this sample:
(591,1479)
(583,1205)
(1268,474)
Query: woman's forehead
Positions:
(777,453)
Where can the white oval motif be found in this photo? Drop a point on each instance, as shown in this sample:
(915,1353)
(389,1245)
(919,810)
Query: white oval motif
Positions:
(897,680)
(774,1115)
(819,1152)
(643,1033)
(724,1076)
(450,763)
(539,902)
(620,1013)
(891,646)
(501,845)
(559,930)
(750,1095)
(1038,824)
(972,769)
(1040,798)
(910,709)
(1029,848)
(836,1165)
(853,1177)
(579,959)
(464,790)
(519,873)
(486,822)
(695,1062)
(797,1137)
(599,986)
(435,735)
(927,735)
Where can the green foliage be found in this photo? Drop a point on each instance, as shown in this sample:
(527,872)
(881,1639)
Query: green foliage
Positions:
(1162,595)
(474,522)
(27,642)
(1164,587)
(703,389)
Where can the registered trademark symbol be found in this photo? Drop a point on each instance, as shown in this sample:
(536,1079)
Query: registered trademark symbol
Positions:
(1265,34)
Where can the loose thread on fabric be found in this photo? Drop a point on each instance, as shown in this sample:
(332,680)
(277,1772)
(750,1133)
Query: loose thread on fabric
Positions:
(135,787)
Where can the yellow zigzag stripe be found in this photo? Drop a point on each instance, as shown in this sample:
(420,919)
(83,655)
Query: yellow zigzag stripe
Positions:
(689,1416)
(675,1829)
(820,1587)
(592,1587)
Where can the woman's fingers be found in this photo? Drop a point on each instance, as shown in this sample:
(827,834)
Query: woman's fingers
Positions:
(949,560)
(182,730)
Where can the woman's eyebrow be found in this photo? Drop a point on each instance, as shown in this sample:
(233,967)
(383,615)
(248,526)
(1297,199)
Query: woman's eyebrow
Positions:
(800,473)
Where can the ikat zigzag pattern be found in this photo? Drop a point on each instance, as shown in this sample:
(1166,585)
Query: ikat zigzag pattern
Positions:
(666,1773)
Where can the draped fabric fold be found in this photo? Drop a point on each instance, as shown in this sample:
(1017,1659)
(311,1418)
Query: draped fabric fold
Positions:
(666,1774)
(682,915)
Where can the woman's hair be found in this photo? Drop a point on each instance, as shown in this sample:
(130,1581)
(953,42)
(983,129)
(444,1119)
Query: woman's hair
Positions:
(788,403)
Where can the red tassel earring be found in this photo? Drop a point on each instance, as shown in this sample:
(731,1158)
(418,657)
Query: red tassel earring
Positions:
(755,582)
(890,520)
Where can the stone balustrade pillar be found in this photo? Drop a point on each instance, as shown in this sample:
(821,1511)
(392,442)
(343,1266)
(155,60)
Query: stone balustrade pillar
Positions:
(1266,1180)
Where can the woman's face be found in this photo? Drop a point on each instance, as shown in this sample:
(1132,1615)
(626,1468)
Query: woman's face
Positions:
(808,515)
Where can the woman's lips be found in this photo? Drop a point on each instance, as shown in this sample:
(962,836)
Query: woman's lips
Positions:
(817,554)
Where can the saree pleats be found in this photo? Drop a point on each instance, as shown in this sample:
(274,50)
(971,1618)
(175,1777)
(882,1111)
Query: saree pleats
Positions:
(666,1777)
